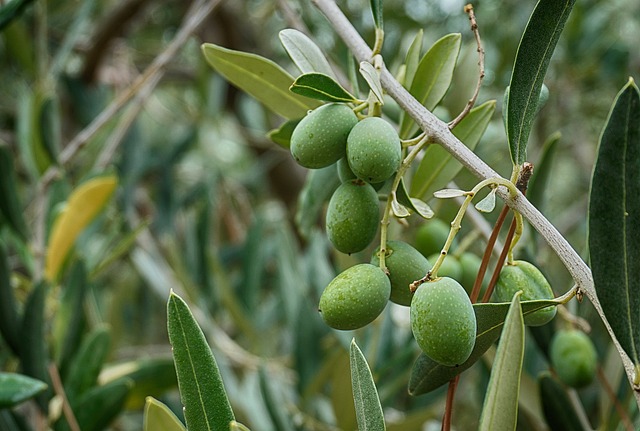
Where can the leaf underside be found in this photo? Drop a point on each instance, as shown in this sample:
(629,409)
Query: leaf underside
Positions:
(614,220)
(365,395)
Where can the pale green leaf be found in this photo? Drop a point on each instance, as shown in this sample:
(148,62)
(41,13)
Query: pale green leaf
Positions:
(449,193)
(365,395)
(259,77)
(413,59)
(432,78)
(158,417)
(304,52)
(488,203)
(371,75)
(500,409)
(438,167)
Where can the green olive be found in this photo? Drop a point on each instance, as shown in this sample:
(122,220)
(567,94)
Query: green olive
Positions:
(352,216)
(443,321)
(405,265)
(574,357)
(522,275)
(373,150)
(431,236)
(320,139)
(355,297)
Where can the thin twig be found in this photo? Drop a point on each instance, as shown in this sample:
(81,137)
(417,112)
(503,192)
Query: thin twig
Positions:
(500,263)
(474,28)
(59,390)
(442,135)
(451,391)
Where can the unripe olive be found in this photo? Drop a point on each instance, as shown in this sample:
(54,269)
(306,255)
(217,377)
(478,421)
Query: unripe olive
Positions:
(522,275)
(352,216)
(431,236)
(344,171)
(450,266)
(443,321)
(320,138)
(470,264)
(373,150)
(355,297)
(574,357)
(405,265)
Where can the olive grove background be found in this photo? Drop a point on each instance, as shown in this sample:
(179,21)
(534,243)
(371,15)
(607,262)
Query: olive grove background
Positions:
(206,203)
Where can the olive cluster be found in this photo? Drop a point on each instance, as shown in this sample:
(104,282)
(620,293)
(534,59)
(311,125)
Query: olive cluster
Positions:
(367,153)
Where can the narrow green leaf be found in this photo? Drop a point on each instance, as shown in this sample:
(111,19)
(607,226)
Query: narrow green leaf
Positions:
(413,59)
(304,52)
(321,87)
(500,409)
(432,78)
(376,9)
(206,406)
(428,375)
(556,405)
(449,193)
(10,207)
(614,220)
(87,364)
(275,406)
(438,167)
(9,316)
(282,135)
(16,388)
(399,210)
(534,53)
(365,395)
(371,75)
(261,78)
(99,406)
(158,417)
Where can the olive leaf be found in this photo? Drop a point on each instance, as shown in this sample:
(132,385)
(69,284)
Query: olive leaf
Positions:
(10,206)
(559,411)
(500,408)
(304,52)
(449,193)
(321,87)
(206,406)
(365,396)
(614,220)
(488,203)
(371,75)
(16,388)
(416,205)
(428,375)
(413,59)
(282,135)
(532,60)
(438,167)
(259,77)
(158,417)
(432,78)
(376,9)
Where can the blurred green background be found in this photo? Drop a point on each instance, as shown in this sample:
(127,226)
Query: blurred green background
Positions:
(206,204)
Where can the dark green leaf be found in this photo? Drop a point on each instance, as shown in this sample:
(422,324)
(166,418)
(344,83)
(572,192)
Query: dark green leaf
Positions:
(206,406)
(558,409)
(99,406)
(542,171)
(49,122)
(614,220)
(428,375)
(500,408)
(321,87)
(11,10)
(16,388)
(158,417)
(432,78)
(282,135)
(304,52)
(376,9)
(438,167)
(10,207)
(9,317)
(261,78)
(365,395)
(534,53)
(87,364)
(416,205)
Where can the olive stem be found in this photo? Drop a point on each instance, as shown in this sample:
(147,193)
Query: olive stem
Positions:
(384,223)
(377,44)
(413,141)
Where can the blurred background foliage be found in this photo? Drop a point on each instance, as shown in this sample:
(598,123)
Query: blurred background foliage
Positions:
(206,203)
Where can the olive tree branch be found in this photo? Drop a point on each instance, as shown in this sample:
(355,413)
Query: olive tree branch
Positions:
(440,133)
